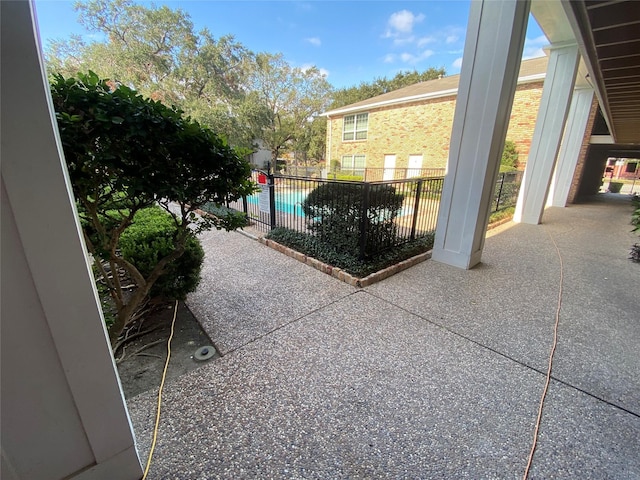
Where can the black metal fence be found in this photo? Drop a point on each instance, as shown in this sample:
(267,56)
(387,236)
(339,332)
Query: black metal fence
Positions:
(506,190)
(359,218)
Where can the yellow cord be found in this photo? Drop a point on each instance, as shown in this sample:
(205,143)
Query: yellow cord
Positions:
(551,354)
(164,376)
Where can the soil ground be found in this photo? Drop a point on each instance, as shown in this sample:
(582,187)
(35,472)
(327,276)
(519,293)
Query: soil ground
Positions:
(142,371)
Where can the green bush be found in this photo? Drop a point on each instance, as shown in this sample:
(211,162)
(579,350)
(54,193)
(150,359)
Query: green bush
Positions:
(509,159)
(335,213)
(351,263)
(123,153)
(150,238)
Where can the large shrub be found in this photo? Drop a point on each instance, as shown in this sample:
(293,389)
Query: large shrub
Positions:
(125,153)
(150,238)
(509,159)
(342,214)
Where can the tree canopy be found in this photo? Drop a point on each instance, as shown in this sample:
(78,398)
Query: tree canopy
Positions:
(244,96)
(286,99)
(157,52)
(366,90)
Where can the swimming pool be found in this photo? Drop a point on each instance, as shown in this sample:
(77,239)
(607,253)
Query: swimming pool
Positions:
(286,202)
(291,203)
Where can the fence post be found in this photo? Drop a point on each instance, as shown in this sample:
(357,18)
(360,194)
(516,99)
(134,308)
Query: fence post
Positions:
(363,219)
(272,200)
(416,204)
(500,191)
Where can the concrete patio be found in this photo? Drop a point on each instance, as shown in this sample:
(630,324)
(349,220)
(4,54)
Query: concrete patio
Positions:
(436,372)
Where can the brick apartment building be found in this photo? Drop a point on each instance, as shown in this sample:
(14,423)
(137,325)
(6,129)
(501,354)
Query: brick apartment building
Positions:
(410,128)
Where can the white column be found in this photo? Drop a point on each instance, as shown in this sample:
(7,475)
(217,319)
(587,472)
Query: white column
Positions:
(491,61)
(570,148)
(63,412)
(554,107)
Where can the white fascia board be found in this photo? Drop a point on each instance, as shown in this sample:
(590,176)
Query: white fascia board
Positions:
(414,98)
(395,101)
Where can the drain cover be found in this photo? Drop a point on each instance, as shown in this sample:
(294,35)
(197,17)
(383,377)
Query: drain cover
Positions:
(204,353)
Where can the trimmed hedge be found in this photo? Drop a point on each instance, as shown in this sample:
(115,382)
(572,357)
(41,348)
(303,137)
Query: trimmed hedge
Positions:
(150,238)
(313,247)
(338,213)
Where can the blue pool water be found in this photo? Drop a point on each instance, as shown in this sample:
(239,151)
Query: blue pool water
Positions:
(287,202)
(290,202)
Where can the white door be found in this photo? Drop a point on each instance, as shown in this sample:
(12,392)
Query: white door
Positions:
(415,165)
(389,167)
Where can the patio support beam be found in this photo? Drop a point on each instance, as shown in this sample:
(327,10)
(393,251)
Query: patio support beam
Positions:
(491,61)
(552,115)
(570,148)
(63,412)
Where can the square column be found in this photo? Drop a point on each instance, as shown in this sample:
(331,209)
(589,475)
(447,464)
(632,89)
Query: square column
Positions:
(63,412)
(552,115)
(491,61)
(570,148)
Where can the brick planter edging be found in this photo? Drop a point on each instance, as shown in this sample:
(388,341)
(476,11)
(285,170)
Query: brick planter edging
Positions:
(499,222)
(341,274)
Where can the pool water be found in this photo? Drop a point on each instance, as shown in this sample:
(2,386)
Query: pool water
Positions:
(291,203)
(287,202)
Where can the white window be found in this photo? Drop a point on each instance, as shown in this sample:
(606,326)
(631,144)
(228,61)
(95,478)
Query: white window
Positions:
(354,127)
(353,164)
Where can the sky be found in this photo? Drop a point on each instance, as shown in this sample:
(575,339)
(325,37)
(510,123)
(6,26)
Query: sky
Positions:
(349,41)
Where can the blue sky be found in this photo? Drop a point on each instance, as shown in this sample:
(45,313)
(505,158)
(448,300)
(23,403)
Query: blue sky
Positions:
(350,41)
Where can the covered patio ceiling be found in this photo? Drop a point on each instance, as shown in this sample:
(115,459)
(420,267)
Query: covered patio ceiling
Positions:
(608,35)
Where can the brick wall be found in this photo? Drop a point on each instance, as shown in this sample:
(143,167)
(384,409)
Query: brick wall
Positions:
(424,128)
(582,156)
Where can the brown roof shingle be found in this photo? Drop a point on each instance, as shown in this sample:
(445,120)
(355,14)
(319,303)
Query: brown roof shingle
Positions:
(434,88)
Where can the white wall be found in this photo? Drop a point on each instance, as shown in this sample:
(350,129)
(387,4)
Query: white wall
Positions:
(63,413)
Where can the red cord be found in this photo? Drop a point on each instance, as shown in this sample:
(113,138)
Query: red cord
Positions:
(551,354)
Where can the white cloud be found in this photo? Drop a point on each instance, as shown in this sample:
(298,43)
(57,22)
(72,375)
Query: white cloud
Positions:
(398,41)
(533,47)
(403,21)
(425,41)
(324,72)
(451,39)
(389,58)
(407,57)
(413,59)
(457,63)
(314,41)
(426,54)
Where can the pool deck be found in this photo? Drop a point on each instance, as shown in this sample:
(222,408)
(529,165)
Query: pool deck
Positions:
(435,372)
